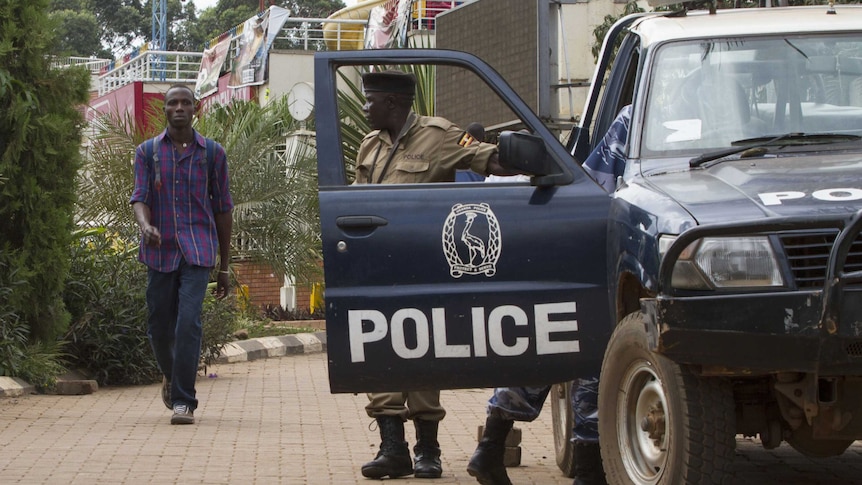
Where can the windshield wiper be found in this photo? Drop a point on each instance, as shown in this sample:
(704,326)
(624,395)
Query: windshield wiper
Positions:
(781,140)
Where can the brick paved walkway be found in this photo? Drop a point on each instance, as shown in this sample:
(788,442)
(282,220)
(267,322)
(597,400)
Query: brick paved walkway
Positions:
(273,421)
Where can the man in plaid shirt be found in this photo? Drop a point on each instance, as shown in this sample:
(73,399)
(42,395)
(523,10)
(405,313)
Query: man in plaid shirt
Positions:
(182,205)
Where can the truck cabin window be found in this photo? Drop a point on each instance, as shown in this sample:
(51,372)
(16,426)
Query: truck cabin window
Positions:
(420,123)
(709,95)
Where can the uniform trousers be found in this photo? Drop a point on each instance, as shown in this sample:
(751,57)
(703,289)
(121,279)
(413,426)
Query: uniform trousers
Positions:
(424,405)
(525,404)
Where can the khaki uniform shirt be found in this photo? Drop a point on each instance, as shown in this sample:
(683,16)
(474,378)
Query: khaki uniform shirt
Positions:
(431,150)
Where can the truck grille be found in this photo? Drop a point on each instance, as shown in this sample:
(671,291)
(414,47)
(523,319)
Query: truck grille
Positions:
(808,253)
(854,349)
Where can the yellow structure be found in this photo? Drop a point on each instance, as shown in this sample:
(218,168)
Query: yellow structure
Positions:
(339,36)
(351,36)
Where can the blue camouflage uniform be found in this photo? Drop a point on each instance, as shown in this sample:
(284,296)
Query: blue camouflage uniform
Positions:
(607,161)
(605,164)
(525,404)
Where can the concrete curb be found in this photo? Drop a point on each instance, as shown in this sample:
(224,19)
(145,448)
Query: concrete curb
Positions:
(15,387)
(239,351)
(265,347)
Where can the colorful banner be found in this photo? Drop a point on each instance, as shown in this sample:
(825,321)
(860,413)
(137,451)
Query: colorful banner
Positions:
(211,64)
(387,25)
(277,17)
(249,67)
(225,96)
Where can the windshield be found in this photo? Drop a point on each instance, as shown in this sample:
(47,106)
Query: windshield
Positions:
(707,94)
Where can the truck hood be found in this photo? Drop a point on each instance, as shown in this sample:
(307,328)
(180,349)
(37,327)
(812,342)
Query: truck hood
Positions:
(766,187)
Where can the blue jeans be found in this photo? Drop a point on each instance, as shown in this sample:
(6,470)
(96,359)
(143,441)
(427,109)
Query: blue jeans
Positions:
(525,404)
(174,302)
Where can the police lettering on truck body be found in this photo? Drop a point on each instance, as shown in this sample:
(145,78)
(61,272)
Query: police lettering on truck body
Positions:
(826,195)
(487,332)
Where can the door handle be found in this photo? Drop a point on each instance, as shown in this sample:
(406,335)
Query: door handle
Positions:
(360,222)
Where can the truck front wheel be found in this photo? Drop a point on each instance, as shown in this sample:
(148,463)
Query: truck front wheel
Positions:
(659,423)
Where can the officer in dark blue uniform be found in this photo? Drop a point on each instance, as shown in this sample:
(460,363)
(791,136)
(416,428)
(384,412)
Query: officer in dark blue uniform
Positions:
(509,404)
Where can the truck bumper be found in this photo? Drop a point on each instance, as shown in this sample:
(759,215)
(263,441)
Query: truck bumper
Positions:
(758,332)
(817,330)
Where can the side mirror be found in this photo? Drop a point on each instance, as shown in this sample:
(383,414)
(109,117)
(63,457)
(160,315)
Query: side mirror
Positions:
(525,153)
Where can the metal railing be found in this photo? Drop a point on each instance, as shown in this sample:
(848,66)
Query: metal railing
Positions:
(158,66)
(298,33)
(165,66)
(94,65)
(425,11)
(320,34)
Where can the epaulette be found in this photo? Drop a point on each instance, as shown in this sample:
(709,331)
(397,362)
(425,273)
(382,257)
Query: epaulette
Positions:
(435,121)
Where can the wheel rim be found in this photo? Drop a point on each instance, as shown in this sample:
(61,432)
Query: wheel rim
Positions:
(558,393)
(644,430)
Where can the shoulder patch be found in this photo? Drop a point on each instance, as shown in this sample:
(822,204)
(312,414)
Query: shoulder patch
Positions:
(467,139)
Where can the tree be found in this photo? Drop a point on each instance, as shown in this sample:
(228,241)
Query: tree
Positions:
(212,22)
(119,26)
(77,34)
(312,8)
(601,30)
(41,126)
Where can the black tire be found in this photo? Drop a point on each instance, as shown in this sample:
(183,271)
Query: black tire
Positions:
(691,418)
(564,419)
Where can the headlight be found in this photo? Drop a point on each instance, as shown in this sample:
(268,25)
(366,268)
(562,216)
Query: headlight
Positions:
(724,262)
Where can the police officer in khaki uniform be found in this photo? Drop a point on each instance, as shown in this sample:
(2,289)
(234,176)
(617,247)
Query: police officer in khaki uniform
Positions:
(407,148)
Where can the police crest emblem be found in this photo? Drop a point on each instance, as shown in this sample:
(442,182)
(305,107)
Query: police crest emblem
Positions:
(472,240)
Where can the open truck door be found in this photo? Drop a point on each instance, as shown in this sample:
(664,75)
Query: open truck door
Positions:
(461,284)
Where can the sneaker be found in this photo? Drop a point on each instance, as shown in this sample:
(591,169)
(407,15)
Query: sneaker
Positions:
(182,414)
(166,393)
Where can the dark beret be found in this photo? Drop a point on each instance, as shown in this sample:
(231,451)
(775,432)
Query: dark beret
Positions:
(396,82)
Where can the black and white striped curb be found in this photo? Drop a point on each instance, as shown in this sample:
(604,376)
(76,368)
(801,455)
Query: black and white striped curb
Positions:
(265,347)
(239,351)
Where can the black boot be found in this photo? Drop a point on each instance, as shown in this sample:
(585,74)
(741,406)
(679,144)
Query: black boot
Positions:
(427,450)
(393,459)
(486,464)
(588,465)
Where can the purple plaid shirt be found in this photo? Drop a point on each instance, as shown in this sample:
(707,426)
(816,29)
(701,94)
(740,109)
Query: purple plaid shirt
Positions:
(183,207)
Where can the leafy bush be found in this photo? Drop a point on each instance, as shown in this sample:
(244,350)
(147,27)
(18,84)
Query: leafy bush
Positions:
(279,314)
(42,364)
(39,363)
(219,324)
(106,295)
(13,339)
(13,333)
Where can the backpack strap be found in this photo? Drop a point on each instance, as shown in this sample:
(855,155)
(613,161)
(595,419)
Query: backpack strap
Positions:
(151,150)
(210,144)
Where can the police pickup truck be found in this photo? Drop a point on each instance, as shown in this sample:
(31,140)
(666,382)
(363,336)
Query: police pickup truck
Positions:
(718,288)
